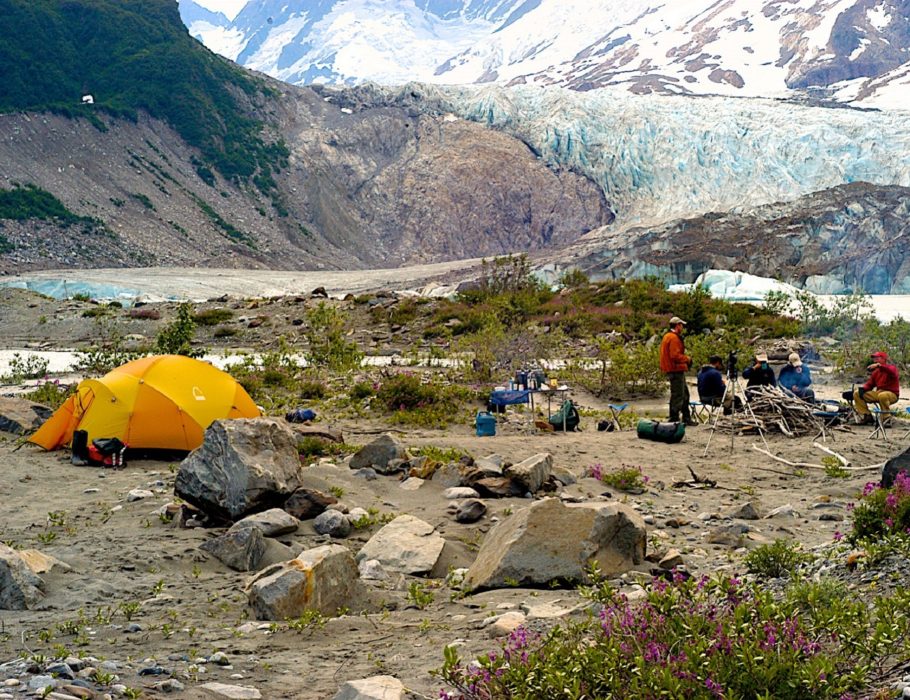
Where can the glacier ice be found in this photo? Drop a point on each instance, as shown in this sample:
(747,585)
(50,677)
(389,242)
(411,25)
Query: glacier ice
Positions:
(664,157)
(736,286)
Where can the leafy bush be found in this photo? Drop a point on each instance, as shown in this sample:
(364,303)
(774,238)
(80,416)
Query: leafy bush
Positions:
(362,390)
(51,393)
(27,367)
(712,638)
(312,446)
(177,336)
(328,345)
(312,390)
(623,370)
(625,478)
(422,403)
(882,512)
(780,558)
(110,352)
(212,317)
(225,332)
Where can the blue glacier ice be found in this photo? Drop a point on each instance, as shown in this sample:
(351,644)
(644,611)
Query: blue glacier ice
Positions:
(658,158)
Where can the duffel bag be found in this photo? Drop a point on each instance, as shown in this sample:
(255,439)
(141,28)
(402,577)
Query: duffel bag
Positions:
(661,432)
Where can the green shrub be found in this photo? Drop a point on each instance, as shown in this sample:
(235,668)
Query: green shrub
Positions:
(625,478)
(882,512)
(780,558)
(312,390)
(362,390)
(27,367)
(225,332)
(328,346)
(422,403)
(177,336)
(51,393)
(708,638)
(212,317)
(312,446)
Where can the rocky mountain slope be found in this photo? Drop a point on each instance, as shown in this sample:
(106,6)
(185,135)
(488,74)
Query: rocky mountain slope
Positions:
(849,238)
(846,50)
(241,171)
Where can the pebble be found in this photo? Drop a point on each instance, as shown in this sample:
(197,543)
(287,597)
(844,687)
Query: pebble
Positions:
(366,473)
(784,511)
(505,624)
(171,685)
(411,484)
(12,682)
(649,519)
(460,492)
(92,491)
(219,658)
(61,671)
(41,682)
(6,696)
(132,628)
(138,495)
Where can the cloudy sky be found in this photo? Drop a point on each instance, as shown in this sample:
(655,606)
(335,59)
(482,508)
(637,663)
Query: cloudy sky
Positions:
(228,7)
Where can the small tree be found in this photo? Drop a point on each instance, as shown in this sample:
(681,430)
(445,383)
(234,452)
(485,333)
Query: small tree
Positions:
(328,346)
(176,338)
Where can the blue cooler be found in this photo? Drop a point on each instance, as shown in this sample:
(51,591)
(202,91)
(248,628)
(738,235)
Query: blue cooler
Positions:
(485,424)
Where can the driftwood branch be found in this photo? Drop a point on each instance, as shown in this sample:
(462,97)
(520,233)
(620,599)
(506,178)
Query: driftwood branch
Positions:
(803,465)
(840,458)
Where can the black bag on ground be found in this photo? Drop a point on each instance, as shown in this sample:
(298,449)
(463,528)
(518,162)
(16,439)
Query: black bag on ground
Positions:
(894,466)
(109,446)
(661,432)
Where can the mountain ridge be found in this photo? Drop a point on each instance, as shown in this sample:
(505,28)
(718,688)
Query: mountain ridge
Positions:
(847,51)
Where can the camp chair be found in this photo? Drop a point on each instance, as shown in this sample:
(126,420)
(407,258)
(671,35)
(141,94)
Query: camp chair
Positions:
(907,432)
(616,410)
(566,418)
(881,420)
(830,414)
(702,412)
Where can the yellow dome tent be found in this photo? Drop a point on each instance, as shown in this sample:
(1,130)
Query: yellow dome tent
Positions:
(158,402)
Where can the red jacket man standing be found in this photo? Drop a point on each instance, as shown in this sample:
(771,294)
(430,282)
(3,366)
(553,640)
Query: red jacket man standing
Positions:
(675,363)
(883,387)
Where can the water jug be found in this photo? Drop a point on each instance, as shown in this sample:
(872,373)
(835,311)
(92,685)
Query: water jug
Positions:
(485,424)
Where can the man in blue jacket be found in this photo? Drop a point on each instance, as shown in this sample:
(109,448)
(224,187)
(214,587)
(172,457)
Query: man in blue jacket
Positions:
(795,378)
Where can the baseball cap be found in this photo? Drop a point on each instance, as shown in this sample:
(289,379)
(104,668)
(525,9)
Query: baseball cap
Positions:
(677,319)
(761,356)
(794,359)
(883,356)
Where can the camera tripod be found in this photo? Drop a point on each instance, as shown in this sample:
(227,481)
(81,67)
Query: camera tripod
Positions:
(734,390)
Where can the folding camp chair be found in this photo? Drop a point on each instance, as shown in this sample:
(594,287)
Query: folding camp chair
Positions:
(882,420)
(616,410)
(829,414)
(703,412)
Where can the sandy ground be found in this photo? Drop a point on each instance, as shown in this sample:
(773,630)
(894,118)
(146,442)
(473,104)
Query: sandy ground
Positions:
(191,605)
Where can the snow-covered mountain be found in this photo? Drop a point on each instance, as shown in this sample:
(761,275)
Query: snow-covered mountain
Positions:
(850,50)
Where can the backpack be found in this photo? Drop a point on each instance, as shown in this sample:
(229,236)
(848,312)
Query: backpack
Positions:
(107,452)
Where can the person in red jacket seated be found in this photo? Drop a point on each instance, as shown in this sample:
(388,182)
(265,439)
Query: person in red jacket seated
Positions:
(882,387)
(675,363)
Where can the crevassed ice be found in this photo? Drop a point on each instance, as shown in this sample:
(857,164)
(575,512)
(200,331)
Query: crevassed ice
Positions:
(658,158)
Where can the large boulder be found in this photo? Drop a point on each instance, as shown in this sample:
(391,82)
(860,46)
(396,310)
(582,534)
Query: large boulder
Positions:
(20,587)
(243,466)
(379,453)
(20,416)
(406,545)
(323,579)
(550,541)
(533,472)
(375,688)
(241,550)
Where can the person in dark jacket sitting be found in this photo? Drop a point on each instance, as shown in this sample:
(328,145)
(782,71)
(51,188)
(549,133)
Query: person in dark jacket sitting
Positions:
(711,385)
(796,379)
(759,374)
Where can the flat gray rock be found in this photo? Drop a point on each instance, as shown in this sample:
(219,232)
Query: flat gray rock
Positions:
(375,688)
(406,545)
(272,522)
(241,550)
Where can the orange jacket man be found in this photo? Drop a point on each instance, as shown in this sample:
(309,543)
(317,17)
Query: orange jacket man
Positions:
(675,363)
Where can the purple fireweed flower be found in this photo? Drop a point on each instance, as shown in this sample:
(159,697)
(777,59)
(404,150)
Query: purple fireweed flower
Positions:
(838,535)
(889,522)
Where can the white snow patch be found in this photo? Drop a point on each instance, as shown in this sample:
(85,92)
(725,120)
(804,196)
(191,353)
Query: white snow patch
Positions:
(878,17)
(858,51)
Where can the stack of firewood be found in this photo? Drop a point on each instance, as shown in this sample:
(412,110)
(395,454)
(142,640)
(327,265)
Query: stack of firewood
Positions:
(774,410)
